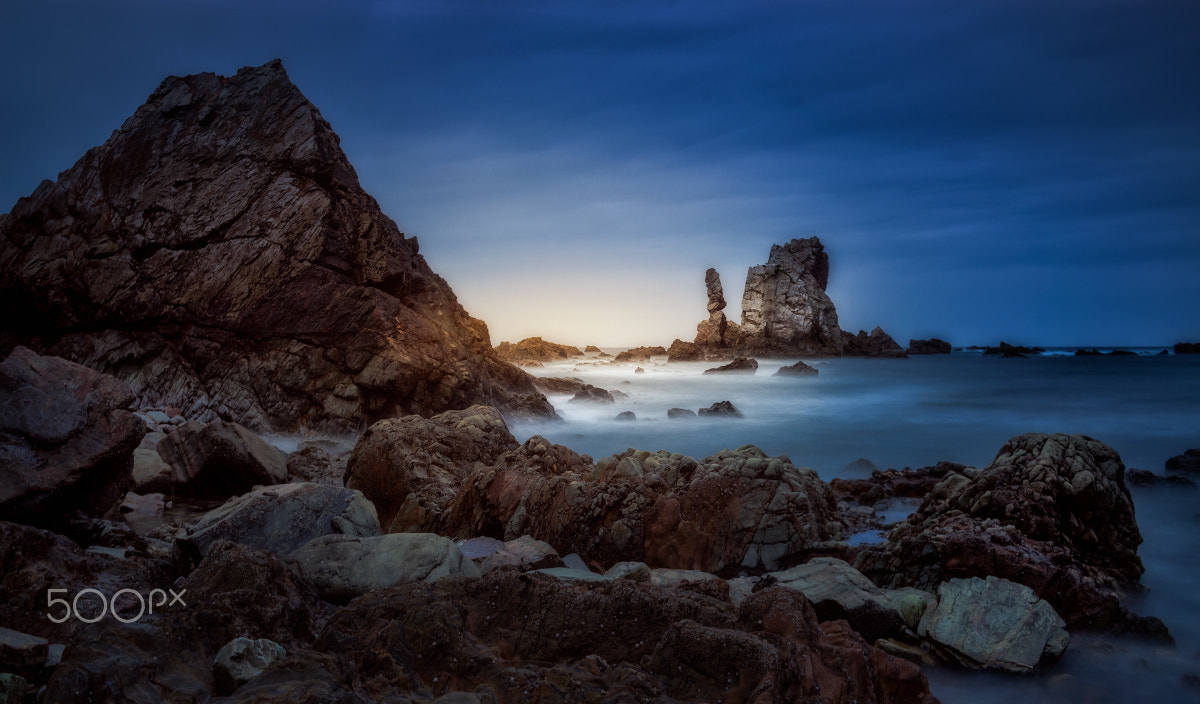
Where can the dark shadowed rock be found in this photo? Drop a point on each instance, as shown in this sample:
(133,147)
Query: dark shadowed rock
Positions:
(797,369)
(877,344)
(220,458)
(681,351)
(242,659)
(1146,478)
(218,254)
(592,394)
(1187,462)
(523,554)
(279,519)
(536,349)
(626,415)
(1187,348)
(317,465)
(66,440)
(641,354)
(721,409)
(930,346)
(1051,512)
(838,591)
(559,385)
(680,413)
(740,365)
(412,467)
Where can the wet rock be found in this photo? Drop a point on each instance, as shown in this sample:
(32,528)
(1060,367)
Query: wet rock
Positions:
(626,415)
(681,351)
(341,567)
(523,554)
(641,354)
(536,349)
(740,365)
(219,255)
(1187,462)
(680,413)
(279,519)
(411,467)
(838,591)
(797,369)
(1051,512)
(994,624)
(242,659)
(220,459)
(591,394)
(930,346)
(66,440)
(722,409)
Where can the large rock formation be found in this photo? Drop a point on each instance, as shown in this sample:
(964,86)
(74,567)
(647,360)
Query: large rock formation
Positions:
(66,439)
(786,312)
(535,349)
(716,336)
(218,254)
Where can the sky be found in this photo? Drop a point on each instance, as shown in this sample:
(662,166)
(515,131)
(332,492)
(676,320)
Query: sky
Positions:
(1015,170)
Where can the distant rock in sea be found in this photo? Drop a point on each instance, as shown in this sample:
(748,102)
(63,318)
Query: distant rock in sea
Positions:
(797,369)
(641,354)
(218,254)
(1187,348)
(721,409)
(591,349)
(930,346)
(741,365)
(785,312)
(1010,351)
(535,349)
(681,351)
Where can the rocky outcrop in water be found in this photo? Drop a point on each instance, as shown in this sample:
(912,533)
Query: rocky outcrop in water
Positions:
(640,354)
(66,439)
(930,346)
(876,344)
(218,254)
(1051,512)
(785,310)
(716,337)
(681,351)
(535,349)
(740,365)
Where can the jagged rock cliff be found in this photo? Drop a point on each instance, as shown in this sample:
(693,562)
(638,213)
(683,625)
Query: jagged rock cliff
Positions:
(785,309)
(217,253)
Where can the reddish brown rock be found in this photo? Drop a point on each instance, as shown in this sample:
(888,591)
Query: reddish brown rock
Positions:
(740,365)
(716,337)
(536,349)
(738,509)
(641,354)
(412,467)
(1051,512)
(218,255)
(66,439)
(681,351)
(220,458)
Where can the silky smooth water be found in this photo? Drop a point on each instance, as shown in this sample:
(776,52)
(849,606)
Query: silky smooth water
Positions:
(960,407)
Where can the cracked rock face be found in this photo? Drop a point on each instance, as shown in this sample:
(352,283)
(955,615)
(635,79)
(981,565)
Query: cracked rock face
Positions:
(218,254)
(785,308)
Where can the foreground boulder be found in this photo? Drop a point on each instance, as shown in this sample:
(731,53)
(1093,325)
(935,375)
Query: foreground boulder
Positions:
(1051,512)
(838,591)
(242,659)
(410,468)
(738,509)
(66,440)
(342,567)
(220,458)
(218,254)
(279,520)
(993,624)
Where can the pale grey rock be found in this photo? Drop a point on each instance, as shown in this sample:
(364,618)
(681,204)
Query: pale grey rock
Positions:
(663,577)
(279,519)
(341,567)
(993,623)
(911,604)
(838,591)
(243,659)
(524,554)
(570,574)
(631,570)
(785,309)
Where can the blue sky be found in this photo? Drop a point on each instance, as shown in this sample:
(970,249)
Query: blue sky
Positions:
(978,171)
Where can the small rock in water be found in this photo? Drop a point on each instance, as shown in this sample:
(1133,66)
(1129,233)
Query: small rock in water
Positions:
(626,415)
(680,413)
(722,409)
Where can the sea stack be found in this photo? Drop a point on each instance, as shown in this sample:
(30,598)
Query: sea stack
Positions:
(716,337)
(785,309)
(218,254)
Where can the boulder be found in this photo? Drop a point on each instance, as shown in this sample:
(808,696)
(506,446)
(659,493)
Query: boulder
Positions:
(1187,462)
(536,349)
(636,571)
(21,652)
(616,640)
(221,459)
(797,369)
(681,351)
(680,413)
(279,520)
(738,509)
(641,354)
(523,554)
(1051,512)
(592,394)
(66,440)
(218,255)
(721,409)
(930,346)
(341,567)
(150,473)
(413,466)
(740,365)
(241,660)
(317,465)
(838,591)
(993,624)
(626,415)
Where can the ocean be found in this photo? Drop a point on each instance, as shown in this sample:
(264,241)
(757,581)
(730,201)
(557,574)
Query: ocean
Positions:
(961,407)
